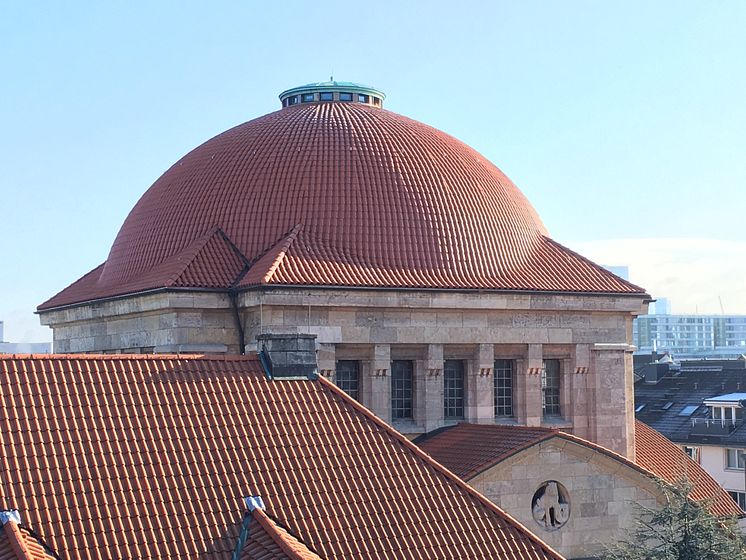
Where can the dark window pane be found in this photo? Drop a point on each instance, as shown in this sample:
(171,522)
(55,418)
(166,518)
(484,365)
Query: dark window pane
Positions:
(376,101)
(362,98)
(345,96)
(307,97)
(348,377)
(402,373)
(550,388)
(504,387)
(453,389)
(326,96)
(292,100)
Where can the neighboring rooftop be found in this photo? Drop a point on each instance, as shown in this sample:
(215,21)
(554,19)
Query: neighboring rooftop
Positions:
(336,195)
(675,406)
(152,457)
(469,449)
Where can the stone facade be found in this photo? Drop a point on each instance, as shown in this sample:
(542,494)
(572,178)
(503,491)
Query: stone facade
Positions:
(601,491)
(588,334)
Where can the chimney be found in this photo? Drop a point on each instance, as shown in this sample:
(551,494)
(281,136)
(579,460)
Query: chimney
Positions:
(288,356)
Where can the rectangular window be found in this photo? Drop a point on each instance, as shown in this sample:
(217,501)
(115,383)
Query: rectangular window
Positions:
(550,388)
(345,96)
(292,100)
(307,97)
(735,459)
(347,377)
(739,498)
(453,389)
(326,96)
(504,388)
(402,377)
(362,98)
(693,452)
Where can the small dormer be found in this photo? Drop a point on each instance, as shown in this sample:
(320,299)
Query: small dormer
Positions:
(725,413)
(332,92)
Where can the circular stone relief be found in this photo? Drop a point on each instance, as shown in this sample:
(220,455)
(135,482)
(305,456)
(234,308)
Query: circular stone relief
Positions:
(550,505)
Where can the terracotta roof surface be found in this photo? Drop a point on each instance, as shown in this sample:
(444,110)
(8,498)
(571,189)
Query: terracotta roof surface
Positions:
(151,457)
(657,453)
(469,449)
(374,199)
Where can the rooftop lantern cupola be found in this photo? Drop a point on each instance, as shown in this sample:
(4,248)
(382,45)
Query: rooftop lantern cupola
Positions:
(332,92)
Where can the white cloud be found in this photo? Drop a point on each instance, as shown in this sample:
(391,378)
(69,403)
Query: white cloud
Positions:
(694,274)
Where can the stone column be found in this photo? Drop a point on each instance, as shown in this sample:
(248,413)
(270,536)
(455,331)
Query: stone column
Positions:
(378,382)
(480,395)
(326,357)
(534,365)
(429,388)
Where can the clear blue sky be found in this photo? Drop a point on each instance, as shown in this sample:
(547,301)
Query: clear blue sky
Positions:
(617,119)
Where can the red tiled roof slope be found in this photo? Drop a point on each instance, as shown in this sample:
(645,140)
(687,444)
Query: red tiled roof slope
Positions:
(383,201)
(151,456)
(469,449)
(659,454)
(18,543)
(268,541)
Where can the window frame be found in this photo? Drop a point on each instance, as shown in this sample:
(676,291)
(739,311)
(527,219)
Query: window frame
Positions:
(454,396)
(402,390)
(345,384)
(326,96)
(740,458)
(739,497)
(347,96)
(503,394)
(551,393)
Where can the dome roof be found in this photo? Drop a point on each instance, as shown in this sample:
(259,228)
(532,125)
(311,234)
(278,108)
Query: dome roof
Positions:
(336,194)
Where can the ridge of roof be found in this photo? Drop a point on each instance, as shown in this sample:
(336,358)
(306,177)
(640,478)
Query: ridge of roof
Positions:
(291,546)
(18,542)
(211,268)
(444,471)
(264,267)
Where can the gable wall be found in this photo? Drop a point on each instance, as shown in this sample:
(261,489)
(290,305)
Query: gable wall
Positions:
(601,490)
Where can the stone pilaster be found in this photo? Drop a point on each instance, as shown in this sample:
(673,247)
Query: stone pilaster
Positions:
(577,400)
(480,386)
(534,365)
(429,389)
(378,382)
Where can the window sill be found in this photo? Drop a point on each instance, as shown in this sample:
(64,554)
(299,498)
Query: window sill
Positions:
(507,421)
(555,422)
(407,427)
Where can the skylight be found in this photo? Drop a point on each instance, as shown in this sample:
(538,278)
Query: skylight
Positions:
(668,405)
(639,407)
(688,410)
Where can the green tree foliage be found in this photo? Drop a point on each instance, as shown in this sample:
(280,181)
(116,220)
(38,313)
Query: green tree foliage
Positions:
(682,529)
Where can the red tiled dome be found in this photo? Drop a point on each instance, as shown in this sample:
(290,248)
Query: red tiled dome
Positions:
(384,189)
(336,194)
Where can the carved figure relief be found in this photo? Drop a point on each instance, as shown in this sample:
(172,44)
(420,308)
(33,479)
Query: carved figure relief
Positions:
(550,505)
